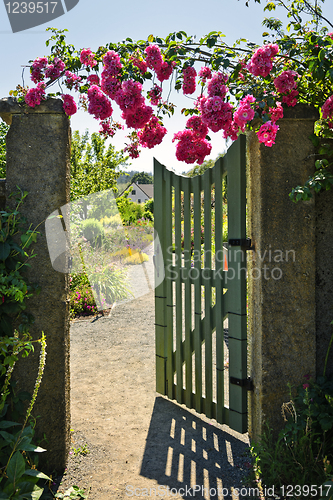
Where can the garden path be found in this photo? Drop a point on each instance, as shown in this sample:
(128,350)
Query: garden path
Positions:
(140,443)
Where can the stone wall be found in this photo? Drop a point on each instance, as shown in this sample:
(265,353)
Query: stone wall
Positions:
(283,324)
(38,155)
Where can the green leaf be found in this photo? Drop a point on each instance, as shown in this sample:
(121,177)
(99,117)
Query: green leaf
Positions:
(6,423)
(16,467)
(4,250)
(36,473)
(37,493)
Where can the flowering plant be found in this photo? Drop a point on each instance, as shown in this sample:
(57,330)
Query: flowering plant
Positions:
(231,85)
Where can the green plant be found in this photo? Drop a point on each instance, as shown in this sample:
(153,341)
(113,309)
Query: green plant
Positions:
(93,231)
(303,451)
(18,475)
(94,167)
(81,450)
(81,297)
(15,289)
(73,493)
(148,210)
(129,211)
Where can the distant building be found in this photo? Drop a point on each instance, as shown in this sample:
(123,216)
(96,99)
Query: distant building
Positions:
(140,193)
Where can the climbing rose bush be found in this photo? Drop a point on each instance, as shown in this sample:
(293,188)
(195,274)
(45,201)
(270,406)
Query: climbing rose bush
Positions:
(230,88)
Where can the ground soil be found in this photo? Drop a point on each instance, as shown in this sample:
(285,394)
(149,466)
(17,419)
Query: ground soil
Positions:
(140,444)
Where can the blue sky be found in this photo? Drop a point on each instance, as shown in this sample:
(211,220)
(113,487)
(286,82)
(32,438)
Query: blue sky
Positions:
(94,23)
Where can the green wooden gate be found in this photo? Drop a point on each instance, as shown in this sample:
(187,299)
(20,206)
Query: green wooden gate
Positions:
(197,295)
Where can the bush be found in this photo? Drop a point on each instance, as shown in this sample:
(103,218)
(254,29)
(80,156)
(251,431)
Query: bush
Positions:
(93,231)
(148,209)
(303,452)
(82,301)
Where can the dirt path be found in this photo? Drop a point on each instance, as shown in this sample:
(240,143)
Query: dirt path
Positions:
(140,444)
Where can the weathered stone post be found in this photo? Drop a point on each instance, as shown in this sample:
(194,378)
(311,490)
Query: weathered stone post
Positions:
(38,155)
(282,297)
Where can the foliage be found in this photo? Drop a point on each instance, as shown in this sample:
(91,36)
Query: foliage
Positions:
(322,178)
(148,210)
(93,167)
(73,493)
(129,211)
(303,452)
(93,232)
(15,253)
(19,476)
(142,178)
(81,298)
(3,132)
(294,65)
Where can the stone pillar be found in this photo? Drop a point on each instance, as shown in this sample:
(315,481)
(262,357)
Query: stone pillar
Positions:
(38,155)
(282,302)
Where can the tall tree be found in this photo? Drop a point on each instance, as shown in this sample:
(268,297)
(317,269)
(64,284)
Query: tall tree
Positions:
(142,178)
(94,167)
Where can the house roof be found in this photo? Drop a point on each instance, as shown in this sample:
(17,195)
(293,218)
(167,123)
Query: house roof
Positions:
(147,189)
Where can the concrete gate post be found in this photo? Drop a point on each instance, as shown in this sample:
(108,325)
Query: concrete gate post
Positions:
(38,155)
(282,298)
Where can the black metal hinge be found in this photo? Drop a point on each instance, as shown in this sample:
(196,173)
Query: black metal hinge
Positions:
(241,242)
(243,382)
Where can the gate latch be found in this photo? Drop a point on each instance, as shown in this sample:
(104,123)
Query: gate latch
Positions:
(241,242)
(243,382)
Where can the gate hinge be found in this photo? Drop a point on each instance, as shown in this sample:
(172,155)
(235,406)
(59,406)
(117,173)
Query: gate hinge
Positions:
(241,242)
(243,382)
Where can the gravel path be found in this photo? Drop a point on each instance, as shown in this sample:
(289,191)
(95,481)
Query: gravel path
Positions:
(140,443)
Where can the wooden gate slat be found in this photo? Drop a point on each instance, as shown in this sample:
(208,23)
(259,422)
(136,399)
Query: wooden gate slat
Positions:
(179,290)
(180,337)
(187,298)
(208,293)
(169,286)
(198,331)
(219,308)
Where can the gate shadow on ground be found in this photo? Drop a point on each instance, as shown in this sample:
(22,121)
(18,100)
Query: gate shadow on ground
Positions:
(182,450)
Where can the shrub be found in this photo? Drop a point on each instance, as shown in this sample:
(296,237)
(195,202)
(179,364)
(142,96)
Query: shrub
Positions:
(93,231)
(81,297)
(148,210)
(303,452)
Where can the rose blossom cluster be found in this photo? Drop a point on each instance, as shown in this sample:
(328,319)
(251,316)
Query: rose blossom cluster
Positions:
(139,63)
(155,95)
(72,80)
(87,58)
(40,69)
(152,133)
(244,112)
(192,146)
(98,104)
(35,95)
(37,69)
(261,63)
(189,84)
(276,113)
(267,133)
(54,70)
(285,84)
(215,112)
(69,104)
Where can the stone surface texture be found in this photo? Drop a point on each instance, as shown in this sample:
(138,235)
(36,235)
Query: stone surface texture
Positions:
(38,155)
(282,311)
